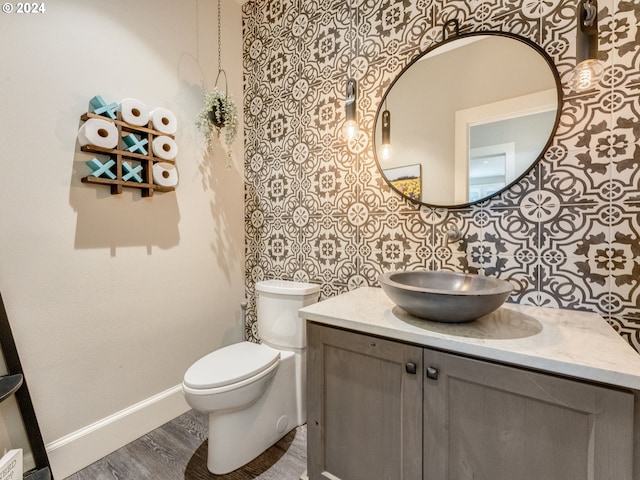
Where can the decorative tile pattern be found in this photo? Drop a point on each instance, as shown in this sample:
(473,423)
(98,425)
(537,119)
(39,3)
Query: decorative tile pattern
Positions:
(567,235)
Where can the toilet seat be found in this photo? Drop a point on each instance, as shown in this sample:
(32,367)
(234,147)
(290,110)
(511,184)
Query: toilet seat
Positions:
(230,365)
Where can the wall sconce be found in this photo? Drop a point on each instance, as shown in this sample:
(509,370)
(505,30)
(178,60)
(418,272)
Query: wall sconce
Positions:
(589,69)
(385,147)
(350,128)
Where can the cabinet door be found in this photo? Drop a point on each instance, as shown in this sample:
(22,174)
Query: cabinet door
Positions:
(364,405)
(485,421)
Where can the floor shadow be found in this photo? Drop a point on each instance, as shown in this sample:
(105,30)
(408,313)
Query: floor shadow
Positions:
(197,466)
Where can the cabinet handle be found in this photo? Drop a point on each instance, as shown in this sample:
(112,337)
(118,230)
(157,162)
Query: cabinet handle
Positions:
(432,373)
(411,368)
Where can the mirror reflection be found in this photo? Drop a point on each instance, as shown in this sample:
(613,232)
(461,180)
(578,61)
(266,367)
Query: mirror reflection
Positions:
(467,119)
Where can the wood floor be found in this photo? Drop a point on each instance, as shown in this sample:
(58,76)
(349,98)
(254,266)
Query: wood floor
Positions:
(178,450)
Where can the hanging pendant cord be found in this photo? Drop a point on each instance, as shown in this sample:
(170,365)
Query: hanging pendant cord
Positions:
(219,41)
(590,13)
(350,40)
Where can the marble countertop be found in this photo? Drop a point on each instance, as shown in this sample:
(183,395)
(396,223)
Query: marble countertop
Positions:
(576,344)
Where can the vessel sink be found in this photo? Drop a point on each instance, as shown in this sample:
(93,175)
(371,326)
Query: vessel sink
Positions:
(445,296)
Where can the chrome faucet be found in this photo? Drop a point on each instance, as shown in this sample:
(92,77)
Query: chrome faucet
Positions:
(453,235)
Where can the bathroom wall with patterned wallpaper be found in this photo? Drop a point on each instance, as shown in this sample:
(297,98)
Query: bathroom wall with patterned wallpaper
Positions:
(317,209)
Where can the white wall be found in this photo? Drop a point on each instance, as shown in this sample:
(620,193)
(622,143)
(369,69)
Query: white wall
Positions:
(112,297)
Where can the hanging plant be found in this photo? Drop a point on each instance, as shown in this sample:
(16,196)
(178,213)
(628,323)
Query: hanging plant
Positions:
(219,112)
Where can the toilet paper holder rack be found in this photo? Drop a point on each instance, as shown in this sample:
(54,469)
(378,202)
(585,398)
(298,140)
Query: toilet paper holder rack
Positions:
(122,161)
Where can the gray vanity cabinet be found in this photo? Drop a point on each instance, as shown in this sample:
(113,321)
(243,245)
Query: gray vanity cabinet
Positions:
(486,421)
(456,418)
(364,407)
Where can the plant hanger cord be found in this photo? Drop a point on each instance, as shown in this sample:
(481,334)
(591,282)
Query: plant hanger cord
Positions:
(220,70)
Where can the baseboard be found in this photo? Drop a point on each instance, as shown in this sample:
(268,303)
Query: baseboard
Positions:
(75,451)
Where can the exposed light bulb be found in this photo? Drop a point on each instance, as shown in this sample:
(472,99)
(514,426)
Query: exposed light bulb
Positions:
(385,148)
(588,69)
(350,129)
(385,151)
(586,75)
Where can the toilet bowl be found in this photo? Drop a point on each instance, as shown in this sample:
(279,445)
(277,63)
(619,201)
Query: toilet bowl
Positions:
(255,393)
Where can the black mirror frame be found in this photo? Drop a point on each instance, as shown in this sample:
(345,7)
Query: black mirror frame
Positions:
(454,37)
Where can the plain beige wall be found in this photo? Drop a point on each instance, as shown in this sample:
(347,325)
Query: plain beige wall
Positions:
(112,297)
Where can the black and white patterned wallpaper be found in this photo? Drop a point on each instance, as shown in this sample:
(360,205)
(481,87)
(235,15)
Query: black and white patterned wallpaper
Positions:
(317,209)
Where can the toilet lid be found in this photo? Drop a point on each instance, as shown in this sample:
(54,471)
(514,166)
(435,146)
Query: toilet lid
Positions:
(230,365)
(286,287)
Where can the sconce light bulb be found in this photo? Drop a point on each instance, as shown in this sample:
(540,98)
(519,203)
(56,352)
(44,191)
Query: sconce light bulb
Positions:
(385,151)
(386,134)
(586,75)
(350,129)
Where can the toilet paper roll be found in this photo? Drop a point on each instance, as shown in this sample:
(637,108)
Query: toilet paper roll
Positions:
(165,174)
(164,147)
(98,132)
(134,112)
(164,120)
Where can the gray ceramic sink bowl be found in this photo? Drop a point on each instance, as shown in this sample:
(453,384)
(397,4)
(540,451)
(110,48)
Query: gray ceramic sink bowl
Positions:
(445,296)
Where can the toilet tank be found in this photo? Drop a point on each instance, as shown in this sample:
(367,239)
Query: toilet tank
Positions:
(278,302)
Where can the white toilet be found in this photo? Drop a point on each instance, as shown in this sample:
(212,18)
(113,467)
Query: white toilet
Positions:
(255,393)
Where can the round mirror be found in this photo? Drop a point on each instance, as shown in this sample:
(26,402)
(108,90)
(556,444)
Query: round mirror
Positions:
(467,118)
